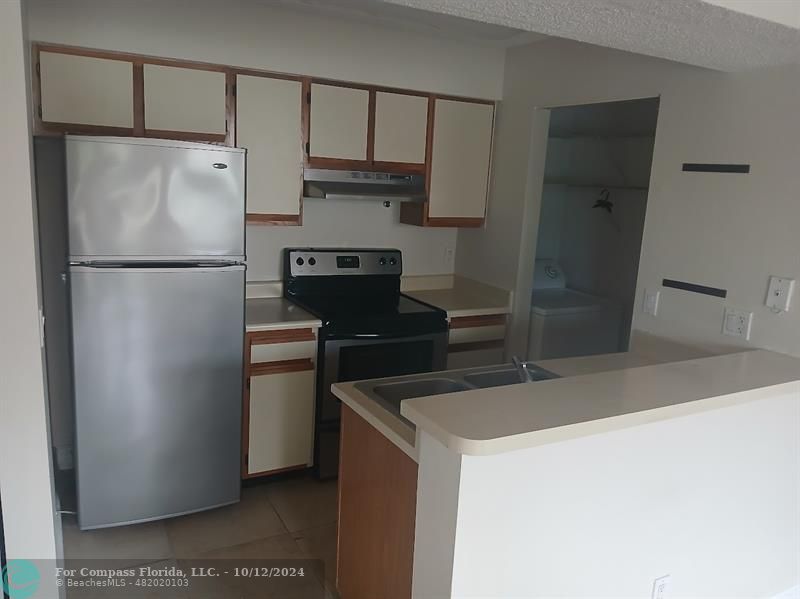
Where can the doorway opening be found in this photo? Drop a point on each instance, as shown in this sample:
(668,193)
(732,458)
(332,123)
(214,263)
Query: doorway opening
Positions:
(591,221)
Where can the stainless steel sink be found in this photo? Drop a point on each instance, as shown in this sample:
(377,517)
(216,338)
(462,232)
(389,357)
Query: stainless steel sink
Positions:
(390,393)
(498,378)
(394,393)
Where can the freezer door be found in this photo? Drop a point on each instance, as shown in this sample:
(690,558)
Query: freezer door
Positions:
(132,198)
(158,370)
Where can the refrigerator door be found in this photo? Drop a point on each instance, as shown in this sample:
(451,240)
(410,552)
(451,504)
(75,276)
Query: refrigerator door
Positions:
(158,371)
(130,199)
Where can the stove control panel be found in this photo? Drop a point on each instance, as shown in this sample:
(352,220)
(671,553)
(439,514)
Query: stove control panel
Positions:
(329,262)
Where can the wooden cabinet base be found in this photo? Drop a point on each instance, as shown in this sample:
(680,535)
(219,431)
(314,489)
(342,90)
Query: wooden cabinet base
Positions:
(377,512)
(416,213)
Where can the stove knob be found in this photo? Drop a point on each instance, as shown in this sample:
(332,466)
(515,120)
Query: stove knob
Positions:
(312,261)
(382,261)
(300,262)
(392,261)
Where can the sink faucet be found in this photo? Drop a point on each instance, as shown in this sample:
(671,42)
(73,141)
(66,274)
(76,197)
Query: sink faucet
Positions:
(522,370)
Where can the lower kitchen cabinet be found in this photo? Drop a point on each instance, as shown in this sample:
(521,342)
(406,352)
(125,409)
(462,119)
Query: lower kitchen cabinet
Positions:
(278,409)
(476,341)
(377,514)
(280,427)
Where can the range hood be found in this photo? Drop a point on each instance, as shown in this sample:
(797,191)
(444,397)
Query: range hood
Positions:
(362,185)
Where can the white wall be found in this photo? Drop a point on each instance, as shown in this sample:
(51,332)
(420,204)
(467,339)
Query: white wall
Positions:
(253,34)
(729,231)
(26,487)
(707,498)
(350,223)
(605,515)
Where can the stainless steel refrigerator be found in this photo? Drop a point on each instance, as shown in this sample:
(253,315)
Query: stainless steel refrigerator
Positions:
(156,287)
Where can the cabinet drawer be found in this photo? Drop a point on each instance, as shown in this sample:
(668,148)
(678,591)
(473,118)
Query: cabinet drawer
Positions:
(276,352)
(281,345)
(473,334)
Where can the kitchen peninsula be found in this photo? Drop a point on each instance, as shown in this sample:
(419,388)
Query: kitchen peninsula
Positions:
(563,486)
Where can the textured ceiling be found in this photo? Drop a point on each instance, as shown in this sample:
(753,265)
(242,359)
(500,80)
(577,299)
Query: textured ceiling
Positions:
(396,16)
(688,31)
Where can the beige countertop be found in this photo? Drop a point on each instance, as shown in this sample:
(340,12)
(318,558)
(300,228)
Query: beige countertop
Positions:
(265,314)
(404,436)
(490,421)
(466,298)
(598,393)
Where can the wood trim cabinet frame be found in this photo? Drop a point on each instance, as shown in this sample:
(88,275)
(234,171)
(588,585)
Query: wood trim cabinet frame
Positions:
(270,368)
(137,61)
(414,213)
(369,164)
(471,322)
(377,514)
(418,213)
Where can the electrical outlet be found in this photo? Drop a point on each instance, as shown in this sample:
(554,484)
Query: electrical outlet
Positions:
(449,256)
(779,294)
(737,323)
(651,299)
(660,586)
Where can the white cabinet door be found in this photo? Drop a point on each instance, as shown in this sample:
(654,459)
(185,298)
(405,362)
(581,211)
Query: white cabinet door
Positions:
(85,90)
(186,100)
(401,123)
(268,124)
(281,421)
(462,147)
(338,127)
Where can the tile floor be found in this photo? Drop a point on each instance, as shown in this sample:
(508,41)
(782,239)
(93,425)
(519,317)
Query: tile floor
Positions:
(285,519)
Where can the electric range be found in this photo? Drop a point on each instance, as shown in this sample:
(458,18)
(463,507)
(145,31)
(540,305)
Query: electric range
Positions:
(369,328)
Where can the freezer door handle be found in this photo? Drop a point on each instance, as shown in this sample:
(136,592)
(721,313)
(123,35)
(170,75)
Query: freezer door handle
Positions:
(156,267)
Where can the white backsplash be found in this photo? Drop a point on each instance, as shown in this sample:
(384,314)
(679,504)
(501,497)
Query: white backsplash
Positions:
(350,223)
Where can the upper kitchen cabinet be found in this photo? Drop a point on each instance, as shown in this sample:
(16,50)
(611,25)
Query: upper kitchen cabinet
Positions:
(80,93)
(185,103)
(401,129)
(338,125)
(269,125)
(458,169)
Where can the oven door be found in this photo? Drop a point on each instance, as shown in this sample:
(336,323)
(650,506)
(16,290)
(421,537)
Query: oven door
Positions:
(357,357)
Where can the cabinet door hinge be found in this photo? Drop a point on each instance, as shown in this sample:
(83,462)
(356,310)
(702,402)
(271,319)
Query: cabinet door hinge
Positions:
(39,68)
(308,98)
(308,149)
(39,110)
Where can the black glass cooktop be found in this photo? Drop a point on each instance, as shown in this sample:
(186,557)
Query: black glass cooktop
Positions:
(373,314)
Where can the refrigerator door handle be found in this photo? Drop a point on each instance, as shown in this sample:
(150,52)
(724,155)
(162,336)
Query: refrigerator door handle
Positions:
(156,267)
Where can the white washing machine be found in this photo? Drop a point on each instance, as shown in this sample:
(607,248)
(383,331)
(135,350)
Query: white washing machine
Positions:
(567,323)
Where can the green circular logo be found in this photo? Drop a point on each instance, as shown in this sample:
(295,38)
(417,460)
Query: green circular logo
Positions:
(20,579)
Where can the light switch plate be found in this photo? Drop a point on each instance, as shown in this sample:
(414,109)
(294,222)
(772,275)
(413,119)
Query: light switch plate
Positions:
(650,303)
(737,323)
(779,294)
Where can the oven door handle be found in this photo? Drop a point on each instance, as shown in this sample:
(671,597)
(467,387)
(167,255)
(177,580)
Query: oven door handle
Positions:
(380,336)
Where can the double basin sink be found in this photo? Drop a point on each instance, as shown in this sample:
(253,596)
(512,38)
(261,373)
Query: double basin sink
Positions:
(391,392)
